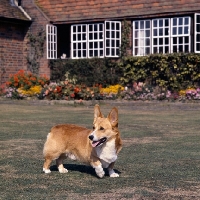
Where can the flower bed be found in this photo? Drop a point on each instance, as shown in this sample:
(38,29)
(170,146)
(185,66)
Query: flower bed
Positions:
(22,85)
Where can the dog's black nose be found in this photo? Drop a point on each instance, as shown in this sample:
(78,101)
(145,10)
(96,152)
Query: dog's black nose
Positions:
(91,137)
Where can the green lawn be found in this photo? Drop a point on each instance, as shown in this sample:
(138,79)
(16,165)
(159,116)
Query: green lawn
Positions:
(160,158)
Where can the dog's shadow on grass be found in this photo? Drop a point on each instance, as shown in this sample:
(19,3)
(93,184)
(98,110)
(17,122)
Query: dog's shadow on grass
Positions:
(81,168)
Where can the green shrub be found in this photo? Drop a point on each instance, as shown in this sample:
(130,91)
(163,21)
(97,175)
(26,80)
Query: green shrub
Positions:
(172,71)
(86,71)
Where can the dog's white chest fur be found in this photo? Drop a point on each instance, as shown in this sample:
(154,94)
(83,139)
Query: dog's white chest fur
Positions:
(107,153)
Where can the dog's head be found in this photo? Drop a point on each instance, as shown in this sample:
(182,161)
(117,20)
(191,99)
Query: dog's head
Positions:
(104,129)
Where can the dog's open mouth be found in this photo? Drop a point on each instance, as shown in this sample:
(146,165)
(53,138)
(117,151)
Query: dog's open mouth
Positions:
(99,142)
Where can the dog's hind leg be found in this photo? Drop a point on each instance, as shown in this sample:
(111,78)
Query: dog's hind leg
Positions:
(46,165)
(111,171)
(59,163)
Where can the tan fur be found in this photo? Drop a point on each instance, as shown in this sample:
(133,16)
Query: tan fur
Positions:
(72,141)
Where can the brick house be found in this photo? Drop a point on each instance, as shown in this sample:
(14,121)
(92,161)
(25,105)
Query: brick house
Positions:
(86,29)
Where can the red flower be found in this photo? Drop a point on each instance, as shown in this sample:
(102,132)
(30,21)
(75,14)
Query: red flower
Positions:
(76,89)
(59,89)
(72,95)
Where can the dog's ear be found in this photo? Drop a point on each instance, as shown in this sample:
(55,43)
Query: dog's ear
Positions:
(113,117)
(97,112)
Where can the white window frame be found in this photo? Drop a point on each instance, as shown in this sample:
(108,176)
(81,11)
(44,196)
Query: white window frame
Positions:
(184,29)
(95,40)
(112,38)
(98,42)
(79,41)
(141,37)
(51,41)
(196,33)
(160,34)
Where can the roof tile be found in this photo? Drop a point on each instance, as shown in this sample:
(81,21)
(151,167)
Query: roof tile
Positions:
(11,12)
(80,10)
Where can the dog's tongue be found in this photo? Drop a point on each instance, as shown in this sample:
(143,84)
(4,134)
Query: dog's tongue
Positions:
(94,144)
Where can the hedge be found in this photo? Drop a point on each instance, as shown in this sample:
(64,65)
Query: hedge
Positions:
(172,71)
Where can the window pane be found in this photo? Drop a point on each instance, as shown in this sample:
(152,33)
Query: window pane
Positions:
(142,25)
(160,49)
(95,36)
(174,21)
(147,33)
(180,30)
(155,23)
(95,45)
(198,37)
(160,23)
(148,50)
(95,27)
(180,48)
(160,41)
(79,37)
(136,25)
(166,40)
(198,27)
(198,47)
(187,48)
(166,31)
(166,22)
(187,39)
(101,44)
(174,40)
(180,40)
(160,31)
(147,42)
(174,31)
(90,27)
(180,22)
(155,32)
(186,30)
(147,24)
(155,41)
(166,49)
(186,21)
(117,26)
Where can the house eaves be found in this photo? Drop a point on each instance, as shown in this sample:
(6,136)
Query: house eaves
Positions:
(10,10)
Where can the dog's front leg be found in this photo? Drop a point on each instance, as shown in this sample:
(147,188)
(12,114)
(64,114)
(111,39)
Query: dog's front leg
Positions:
(98,168)
(111,171)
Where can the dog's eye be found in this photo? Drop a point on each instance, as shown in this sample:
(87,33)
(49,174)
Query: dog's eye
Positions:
(101,128)
(93,127)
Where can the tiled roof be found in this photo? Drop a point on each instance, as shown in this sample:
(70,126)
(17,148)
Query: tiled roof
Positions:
(82,10)
(11,12)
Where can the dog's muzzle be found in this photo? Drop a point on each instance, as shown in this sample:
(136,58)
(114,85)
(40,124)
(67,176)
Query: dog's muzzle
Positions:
(98,142)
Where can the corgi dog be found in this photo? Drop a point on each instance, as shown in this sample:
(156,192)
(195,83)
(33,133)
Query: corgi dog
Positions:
(98,147)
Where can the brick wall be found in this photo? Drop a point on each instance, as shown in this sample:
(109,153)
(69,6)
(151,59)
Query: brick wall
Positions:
(39,22)
(12,52)
(14,46)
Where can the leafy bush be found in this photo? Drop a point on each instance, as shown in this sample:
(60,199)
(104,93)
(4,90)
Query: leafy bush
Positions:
(86,71)
(171,71)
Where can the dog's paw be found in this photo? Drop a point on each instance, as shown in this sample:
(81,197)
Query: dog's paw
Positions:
(99,171)
(63,170)
(101,174)
(46,171)
(114,175)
